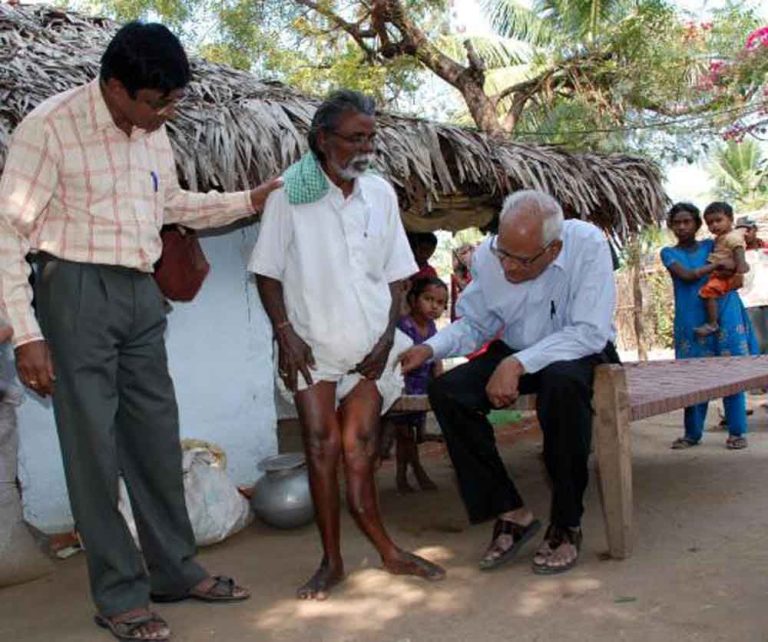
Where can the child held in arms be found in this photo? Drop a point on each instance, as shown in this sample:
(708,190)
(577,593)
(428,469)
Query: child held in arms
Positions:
(427,299)
(727,263)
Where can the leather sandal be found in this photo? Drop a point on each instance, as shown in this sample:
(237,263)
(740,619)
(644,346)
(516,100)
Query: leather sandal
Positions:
(223,589)
(128,629)
(520,535)
(554,537)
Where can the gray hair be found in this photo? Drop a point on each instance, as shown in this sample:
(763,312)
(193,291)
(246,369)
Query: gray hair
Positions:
(331,110)
(546,208)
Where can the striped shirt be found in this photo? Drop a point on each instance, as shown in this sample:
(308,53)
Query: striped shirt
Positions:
(78,187)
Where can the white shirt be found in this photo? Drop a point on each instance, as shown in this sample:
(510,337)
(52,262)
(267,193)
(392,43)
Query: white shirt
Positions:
(755,290)
(336,258)
(564,314)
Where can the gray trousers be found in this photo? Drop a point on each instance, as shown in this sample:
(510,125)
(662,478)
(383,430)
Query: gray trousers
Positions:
(116,412)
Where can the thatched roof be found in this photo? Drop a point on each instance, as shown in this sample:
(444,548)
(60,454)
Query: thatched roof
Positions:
(234,131)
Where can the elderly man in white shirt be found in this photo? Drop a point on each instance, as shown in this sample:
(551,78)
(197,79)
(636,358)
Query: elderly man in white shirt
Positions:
(330,261)
(547,285)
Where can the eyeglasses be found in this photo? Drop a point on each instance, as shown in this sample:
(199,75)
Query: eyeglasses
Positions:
(358,140)
(522,262)
(164,105)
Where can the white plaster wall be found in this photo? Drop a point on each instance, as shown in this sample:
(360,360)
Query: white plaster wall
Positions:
(220,357)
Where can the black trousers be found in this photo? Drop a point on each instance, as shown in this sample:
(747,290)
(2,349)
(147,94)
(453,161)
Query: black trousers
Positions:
(564,408)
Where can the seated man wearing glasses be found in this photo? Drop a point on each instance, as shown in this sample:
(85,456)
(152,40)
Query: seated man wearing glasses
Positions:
(330,263)
(547,285)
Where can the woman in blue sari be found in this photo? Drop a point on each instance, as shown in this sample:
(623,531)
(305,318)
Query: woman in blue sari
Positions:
(688,267)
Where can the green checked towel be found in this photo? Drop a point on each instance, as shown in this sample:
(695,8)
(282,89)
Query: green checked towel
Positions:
(304,181)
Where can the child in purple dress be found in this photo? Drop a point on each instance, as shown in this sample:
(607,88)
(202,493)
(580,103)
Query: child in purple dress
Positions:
(427,300)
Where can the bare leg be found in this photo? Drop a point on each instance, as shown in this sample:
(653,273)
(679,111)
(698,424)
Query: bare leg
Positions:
(404,457)
(711,326)
(425,483)
(711,305)
(360,423)
(322,445)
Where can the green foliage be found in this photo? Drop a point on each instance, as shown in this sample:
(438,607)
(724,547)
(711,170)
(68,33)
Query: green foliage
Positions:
(740,171)
(660,309)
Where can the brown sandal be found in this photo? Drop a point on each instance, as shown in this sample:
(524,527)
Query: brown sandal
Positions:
(736,443)
(223,589)
(128,629)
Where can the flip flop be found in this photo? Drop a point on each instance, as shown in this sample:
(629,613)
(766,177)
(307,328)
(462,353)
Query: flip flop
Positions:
(127,629)
(520,535)
(222,590)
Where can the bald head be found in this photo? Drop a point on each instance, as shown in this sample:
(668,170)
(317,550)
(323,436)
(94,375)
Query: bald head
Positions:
(532,214)
(530,235)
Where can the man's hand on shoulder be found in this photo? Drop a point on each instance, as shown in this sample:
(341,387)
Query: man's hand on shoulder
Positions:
(259,194)
(502,387)
(35,368)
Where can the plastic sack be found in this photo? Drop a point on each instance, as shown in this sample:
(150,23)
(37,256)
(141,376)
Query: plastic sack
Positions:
(20,558)
(216,508)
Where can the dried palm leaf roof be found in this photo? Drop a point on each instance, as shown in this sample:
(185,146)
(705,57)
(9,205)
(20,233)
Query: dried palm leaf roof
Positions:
(234,130)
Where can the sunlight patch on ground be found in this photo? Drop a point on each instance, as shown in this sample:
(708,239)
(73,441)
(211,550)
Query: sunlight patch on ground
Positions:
(542,595)
(369,599)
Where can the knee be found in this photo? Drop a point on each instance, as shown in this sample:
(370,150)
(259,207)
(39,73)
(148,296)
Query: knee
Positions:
(566,377)
(322,445)
(441,388)
(359,454)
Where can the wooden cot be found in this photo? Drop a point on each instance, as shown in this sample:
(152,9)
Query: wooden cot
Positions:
(634,391)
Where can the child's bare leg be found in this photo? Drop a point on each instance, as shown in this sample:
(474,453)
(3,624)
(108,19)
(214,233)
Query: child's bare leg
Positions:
(711,326)
(424,481)
(360,420)
(322,445)
(404,457)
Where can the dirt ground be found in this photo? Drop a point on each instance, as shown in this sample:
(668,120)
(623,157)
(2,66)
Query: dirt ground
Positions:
(699,571)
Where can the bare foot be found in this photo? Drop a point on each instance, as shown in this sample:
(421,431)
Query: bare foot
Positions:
(706,329)
(136,624)
(403,563)
(425,483)
(320,584)
(403,487)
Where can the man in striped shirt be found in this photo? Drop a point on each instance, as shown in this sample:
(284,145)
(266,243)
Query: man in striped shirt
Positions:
(89,180)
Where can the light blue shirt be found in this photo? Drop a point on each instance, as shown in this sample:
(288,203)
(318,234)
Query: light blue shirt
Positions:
(564,314)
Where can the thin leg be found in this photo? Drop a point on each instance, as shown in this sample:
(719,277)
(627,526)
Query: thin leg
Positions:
(322,445)
(712,311)
(404,456)
(360,422)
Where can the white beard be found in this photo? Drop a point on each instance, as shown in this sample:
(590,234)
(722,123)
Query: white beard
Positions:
(356,167)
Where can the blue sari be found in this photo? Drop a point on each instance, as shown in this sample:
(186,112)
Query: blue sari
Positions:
(735,337)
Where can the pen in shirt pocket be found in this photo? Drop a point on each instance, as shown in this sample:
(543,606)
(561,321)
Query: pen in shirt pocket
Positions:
(155,181)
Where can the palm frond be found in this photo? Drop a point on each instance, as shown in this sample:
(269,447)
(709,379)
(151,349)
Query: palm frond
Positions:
(496,52)
(512,19)
(234,130)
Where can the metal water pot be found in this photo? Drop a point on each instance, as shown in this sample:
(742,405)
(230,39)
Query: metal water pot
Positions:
(281,497)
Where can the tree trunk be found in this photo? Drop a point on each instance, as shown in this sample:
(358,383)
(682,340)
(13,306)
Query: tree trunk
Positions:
(637,295)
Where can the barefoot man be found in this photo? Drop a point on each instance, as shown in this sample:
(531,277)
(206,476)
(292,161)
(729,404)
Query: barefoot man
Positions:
(89,180)
(329,262)
(547,285)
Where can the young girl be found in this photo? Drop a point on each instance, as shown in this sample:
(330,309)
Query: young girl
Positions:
(688,266)
(427,299)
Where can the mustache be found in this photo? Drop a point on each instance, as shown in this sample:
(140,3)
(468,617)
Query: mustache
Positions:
(361,159)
